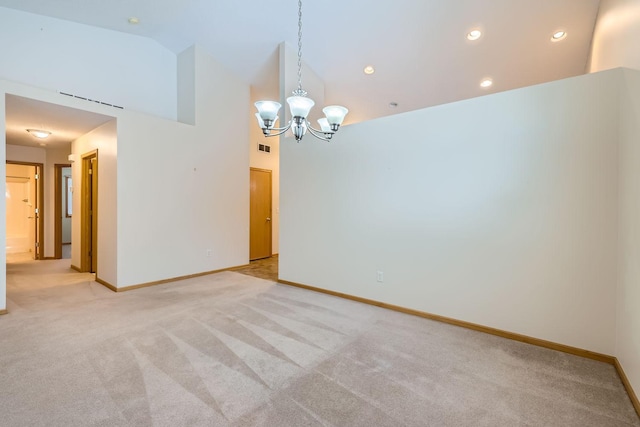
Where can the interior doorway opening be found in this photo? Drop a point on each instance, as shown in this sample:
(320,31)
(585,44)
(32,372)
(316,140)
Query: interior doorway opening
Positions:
(63,210)
(24,209)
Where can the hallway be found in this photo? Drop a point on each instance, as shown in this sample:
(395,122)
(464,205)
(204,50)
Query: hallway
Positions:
(32,283)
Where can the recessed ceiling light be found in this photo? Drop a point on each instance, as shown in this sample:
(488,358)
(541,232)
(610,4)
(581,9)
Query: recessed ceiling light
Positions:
(369,69)
(486,82)
(393,104)
(558,35)
(474,35)
(39,133)
(133,20)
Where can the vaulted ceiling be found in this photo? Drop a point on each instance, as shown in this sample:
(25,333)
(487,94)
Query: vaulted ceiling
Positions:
(418,48)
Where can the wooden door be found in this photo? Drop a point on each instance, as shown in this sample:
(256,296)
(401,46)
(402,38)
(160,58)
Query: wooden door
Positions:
(37,213)
(260,214)
(89,220)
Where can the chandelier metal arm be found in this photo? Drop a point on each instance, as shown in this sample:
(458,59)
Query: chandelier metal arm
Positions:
(318,133)
(325,136)
(279,131)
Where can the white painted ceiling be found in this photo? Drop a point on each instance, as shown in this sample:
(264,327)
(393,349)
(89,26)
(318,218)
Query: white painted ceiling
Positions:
(418,47)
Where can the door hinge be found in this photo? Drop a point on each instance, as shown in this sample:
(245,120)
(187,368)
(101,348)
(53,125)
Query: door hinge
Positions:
(90,171)
(37,176)
(37,244)
(37,211)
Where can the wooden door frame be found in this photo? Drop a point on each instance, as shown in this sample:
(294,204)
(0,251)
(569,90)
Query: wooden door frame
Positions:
(58,209)
(270,172)
(39,201)
(88,233)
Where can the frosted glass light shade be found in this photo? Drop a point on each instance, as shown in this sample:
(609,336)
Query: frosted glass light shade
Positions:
(324,125)
(39,133)
(268,110)
(260,121)
(335,114)
(300,105)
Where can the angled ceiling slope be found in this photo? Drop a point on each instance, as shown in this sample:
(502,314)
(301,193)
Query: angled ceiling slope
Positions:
(418,47)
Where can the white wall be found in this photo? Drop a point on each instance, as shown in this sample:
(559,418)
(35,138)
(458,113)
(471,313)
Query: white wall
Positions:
(133,72)
(184,190)
(615,44)
(628,293)
(616,36)
(500,210)
(268,88)
(104,139)
(19,153)
(168,192)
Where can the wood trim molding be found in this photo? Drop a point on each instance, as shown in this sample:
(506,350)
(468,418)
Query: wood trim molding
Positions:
(4,312)
(492,331)
(627,385)
(73,267)
(106,284)
(160,282)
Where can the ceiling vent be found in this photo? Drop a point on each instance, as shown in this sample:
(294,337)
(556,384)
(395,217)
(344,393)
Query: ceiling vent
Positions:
(91,100)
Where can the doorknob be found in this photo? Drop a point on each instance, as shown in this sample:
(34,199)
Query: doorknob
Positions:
(268,219)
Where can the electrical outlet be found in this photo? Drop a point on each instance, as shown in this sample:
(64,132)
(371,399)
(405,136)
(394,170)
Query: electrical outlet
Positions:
(380,276)
(208,252)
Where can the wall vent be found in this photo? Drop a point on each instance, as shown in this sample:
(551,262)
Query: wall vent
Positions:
(91,100)
(265,148)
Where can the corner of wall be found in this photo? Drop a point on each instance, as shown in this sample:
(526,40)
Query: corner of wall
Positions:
(186,86)
(616,35)
(627,344)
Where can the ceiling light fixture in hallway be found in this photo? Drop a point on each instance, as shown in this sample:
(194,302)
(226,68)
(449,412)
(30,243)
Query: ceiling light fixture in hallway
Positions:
(39,133)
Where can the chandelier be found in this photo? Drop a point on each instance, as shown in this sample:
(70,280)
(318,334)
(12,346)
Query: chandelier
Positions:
(300,105)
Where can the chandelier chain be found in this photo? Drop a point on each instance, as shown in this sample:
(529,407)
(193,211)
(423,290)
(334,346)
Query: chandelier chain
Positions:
(300,45)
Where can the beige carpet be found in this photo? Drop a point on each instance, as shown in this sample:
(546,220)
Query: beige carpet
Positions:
(230,349)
